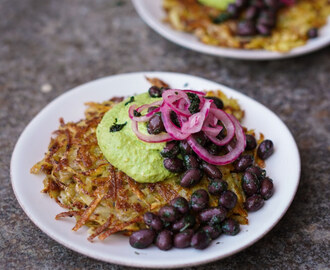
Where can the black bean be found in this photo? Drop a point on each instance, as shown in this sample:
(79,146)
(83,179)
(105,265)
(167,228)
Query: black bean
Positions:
(260,173)
(211,171)
(232,10)
(156,224)
(200,240)
(266,188)
(213,215)
(148,217)
(272,4)
(199,200)
(174,165)
(267,17)
(241,3)
(265,149)
(250,183)
(182,239)
(170,150)
(254,203)
(152,108)
(181,204)
(251,142)
(168,213)
(230,227)
(174,119)
(191,177)
(217,186)
(246,28)
(186,222)
(257,3)
(185,148)
(313,33)
(228,199)
(264,30)
(154,91)
(190,161)
(212,230)
(217,102)
(142,238)
(201,138)
(155,124)
(243,162)
(250,13)
(164,240)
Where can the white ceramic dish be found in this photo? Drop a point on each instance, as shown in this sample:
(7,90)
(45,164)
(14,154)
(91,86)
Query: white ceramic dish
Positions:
(283,166)
(152,13)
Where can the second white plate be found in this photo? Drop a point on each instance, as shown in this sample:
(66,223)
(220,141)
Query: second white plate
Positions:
(283,166)
(152,13)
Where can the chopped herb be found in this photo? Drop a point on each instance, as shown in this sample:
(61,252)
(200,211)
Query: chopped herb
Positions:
(194,103)
(221,18)
(136,113)
(130,100)
(117,127)
(186,84)
(137,253)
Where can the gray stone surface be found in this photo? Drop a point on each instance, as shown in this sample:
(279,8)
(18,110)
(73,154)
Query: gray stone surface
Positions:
(67,43)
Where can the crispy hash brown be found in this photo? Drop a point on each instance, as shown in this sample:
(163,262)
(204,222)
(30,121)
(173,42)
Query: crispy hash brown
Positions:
(291,30)
(80,179)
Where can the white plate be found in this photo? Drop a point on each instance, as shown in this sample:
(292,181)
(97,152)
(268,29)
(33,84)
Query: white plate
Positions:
(152,13)
(283,166)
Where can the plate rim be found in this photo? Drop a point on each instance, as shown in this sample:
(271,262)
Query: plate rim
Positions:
(240,54)
(43,228)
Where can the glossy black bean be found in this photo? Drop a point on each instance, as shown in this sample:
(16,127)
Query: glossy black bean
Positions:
(190,161)
(185,148)
(228,199)
(186,222)
(199,200)
(250,183)
(230,227)
(142,238)
(211,171)
(213,215)
(156,224)
(246,28)
(148,217)
(174,119)
(313,33)
(164,240)
(155,124)
(217,102)
(254,203)
(251,142)
(250,13)
(174,165)
(272,4)
(200,240)
(232,10)
(241,3)
(181,205)
(170,150)
(266,188)
(260,173)
(243,163)
(213,231)
(267,17)
(201,138)
(265,149)
(191,177)
(217,186)
(257,3)
(154,92)
(182,239)
(168,213)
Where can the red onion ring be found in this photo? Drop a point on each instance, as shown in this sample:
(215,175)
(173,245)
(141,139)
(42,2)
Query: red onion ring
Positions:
(143,118)
(227,158)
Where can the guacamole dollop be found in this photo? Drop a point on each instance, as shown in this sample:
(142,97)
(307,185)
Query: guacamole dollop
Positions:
(219,4)
(140,160)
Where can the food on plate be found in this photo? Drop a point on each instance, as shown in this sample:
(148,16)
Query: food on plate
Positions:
(274,25)
(171,167)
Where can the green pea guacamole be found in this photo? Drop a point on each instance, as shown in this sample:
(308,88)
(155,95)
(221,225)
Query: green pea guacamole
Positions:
(139,160)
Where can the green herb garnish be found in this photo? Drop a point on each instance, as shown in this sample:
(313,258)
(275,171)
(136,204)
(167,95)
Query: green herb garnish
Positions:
(194,103)
(136,113)
(117,127)
(221,18)
(130,100)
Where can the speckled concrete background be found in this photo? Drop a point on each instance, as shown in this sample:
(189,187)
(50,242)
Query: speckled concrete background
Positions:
(50,46)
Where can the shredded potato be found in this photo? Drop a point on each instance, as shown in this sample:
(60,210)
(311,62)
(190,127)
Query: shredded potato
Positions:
(291,30)
(99,196)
